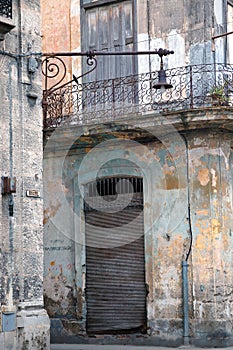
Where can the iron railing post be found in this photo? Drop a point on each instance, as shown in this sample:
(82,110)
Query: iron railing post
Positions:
(191,87)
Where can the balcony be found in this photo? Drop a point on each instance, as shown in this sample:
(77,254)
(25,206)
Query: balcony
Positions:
(193,87)
(6,23)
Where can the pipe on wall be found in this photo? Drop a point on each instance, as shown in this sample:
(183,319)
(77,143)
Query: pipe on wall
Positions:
(185,302)
(185,290)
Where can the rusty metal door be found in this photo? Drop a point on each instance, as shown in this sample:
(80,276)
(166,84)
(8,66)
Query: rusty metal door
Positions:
(115,264)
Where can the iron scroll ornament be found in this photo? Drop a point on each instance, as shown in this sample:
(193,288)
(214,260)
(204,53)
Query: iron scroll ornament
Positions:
(54,66)
(51,69)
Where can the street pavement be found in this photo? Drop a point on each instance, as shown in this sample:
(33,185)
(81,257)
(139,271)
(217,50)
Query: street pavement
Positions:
(120,347)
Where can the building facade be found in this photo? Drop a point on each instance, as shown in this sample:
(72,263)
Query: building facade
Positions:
(24,322)
(137,178)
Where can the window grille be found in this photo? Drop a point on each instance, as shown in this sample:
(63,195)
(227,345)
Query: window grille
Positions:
(115,185)
(6,8)
(117,193)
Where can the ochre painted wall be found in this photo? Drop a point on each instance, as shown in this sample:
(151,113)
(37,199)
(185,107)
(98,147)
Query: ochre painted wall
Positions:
(61,31)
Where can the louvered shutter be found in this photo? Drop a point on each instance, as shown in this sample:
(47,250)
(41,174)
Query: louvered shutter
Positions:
(110,28)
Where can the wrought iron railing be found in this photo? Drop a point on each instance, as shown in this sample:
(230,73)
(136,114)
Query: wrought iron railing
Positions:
(194,87)
(6,8)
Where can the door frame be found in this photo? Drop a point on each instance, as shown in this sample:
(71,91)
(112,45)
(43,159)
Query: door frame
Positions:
(80,249)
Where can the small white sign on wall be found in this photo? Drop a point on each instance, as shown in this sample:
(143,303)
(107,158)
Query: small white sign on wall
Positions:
(33,193)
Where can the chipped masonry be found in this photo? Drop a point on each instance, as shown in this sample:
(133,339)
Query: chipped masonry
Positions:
(166,241)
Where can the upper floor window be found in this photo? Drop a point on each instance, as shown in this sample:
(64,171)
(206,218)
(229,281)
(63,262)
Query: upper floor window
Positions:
(6,8)
(230,29)
(109,26)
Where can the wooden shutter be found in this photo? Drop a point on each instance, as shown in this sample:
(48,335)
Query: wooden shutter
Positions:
(229,29)
(110,28)
(115,264)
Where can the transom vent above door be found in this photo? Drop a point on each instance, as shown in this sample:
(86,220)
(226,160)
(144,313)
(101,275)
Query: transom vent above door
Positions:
(114,186)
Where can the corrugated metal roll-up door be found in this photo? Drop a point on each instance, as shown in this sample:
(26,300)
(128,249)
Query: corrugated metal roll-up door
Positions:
(115,264)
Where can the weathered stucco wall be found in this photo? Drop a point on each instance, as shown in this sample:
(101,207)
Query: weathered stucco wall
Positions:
(21,228)
(211,161)
(185,27)
(174,177)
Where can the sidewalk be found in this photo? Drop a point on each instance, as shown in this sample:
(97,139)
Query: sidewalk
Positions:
(120,347)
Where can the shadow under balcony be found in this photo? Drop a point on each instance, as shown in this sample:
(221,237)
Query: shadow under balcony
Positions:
(194,88)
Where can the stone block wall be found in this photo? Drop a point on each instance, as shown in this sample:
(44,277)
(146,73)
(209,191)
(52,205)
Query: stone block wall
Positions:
(21,230)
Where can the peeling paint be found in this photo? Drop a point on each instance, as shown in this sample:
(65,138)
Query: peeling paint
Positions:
(51,212)
(203,176)
(214,177)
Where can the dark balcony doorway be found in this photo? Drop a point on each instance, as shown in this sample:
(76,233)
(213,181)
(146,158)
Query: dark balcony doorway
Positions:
(115,262)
